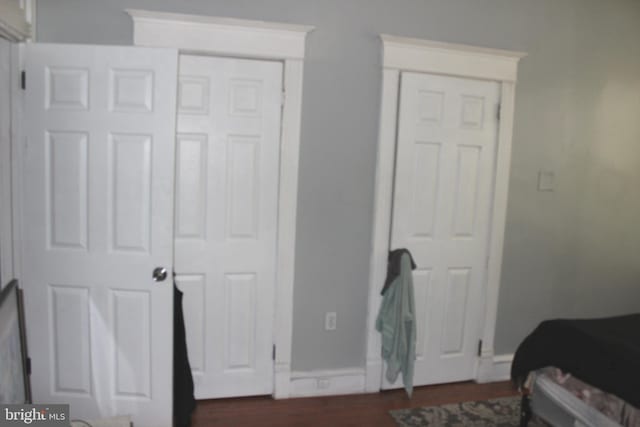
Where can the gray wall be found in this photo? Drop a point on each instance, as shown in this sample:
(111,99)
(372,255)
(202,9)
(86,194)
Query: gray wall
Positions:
(572,252)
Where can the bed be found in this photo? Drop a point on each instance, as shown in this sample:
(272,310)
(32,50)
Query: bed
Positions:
(581,372)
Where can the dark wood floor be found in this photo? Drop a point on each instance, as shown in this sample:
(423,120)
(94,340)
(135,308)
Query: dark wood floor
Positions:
(352,410)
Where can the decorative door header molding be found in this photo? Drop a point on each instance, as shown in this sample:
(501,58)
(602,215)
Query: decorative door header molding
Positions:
(221,36)
(427,56)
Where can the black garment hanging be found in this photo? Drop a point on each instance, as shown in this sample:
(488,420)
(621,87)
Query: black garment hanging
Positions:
(393,266)
(183,401)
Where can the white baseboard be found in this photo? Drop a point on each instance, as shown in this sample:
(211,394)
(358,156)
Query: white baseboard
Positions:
(502,367)
(282,381)
(336,382)
(373,374)
(327,383)
(494,369)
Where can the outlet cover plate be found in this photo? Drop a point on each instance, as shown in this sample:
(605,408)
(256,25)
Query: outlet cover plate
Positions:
(330,321)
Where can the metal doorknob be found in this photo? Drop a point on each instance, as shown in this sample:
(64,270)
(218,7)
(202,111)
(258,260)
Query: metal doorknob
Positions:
(159,274)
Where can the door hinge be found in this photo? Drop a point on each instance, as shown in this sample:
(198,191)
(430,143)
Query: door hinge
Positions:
(23,80)
(499,113)
(479,348)
(283,98)
(273,353)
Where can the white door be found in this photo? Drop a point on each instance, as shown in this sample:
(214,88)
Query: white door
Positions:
(98,218)
(447,139)
(228,147)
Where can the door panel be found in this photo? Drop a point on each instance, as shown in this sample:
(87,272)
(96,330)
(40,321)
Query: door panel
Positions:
(226,219)
(447,136)
(98,215)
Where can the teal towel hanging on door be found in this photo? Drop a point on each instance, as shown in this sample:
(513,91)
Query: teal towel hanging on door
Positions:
(397,323)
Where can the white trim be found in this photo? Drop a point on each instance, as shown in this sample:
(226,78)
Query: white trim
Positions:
(17,20)
(17,145)
(494,369)
(257,39)
(381,220)
(30,12)
(221,36)
(11,33)
(498,218)
(327,382)
(408,54)
(287,212)
(6,233)
(405,54)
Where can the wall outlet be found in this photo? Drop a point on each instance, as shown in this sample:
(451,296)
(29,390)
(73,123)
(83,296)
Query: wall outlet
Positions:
(330,321)
(324,383)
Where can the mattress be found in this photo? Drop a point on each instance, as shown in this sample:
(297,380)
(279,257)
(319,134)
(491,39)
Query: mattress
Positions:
(564,400)
(601,352)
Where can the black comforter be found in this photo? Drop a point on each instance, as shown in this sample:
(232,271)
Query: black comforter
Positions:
(602,352)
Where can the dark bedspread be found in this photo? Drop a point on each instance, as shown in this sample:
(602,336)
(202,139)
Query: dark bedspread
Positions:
(602,352)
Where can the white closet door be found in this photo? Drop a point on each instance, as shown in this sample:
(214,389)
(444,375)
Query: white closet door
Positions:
(447,136)
(228,148)
(98,218)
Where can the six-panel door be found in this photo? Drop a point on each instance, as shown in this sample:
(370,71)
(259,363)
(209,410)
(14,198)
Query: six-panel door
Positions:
(446,148)
(98,218)
(227,166)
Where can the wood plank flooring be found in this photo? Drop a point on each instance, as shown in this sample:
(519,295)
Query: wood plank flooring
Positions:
(352,410)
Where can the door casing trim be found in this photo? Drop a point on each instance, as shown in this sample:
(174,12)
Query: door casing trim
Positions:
(261,40)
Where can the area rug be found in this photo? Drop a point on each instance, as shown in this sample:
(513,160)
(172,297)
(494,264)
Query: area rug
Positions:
(502,412)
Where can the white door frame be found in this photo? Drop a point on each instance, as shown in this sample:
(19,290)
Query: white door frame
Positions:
(262,40)
(17,24)
(18,20)
(6,225)
(406,54)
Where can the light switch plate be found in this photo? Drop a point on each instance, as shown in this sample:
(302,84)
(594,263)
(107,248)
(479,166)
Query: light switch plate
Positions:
(546,180)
